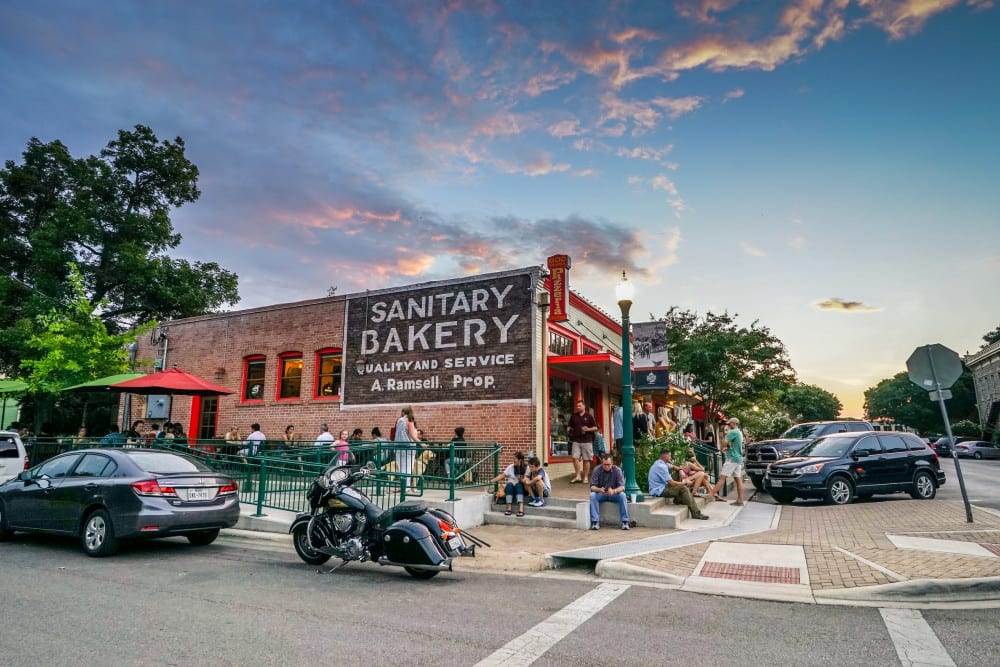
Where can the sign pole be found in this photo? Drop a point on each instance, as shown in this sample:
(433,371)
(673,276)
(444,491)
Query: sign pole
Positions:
(951,438)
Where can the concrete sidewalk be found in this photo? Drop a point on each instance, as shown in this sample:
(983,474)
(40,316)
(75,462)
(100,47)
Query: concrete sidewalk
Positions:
(889,551)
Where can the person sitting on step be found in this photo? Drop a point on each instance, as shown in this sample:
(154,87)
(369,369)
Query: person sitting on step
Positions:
(537,483)
(665,481)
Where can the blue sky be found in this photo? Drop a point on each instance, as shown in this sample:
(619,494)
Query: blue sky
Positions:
(768,159)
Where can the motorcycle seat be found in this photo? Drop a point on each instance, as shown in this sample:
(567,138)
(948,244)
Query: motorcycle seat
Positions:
(408,510)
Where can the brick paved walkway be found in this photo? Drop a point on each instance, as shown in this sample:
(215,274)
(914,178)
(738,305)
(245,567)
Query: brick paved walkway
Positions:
(861,529)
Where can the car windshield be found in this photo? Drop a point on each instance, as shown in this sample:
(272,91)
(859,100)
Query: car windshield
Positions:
(834,445)
(165,463)
(801,432)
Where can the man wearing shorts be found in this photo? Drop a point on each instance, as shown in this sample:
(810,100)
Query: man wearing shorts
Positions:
(582,428)
(733,467)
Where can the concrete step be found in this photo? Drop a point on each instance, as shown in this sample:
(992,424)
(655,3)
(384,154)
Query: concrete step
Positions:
(533,516)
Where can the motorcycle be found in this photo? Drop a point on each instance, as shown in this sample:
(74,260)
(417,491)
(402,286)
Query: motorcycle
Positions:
(344,523)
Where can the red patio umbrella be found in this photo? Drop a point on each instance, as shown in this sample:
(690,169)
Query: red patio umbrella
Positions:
(171,381)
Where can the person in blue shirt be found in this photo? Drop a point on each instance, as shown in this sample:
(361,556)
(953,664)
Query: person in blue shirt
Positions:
(664,481)
(607,485)
(114,438)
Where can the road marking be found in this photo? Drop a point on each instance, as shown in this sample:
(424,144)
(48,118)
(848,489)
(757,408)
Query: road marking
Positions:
(915,642)
(533,644)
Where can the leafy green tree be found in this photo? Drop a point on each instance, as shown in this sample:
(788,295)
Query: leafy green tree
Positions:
(110,216)
(898,399)
(732,364)
(72,345)
(809,403)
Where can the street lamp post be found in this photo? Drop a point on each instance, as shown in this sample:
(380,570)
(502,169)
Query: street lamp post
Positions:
(624,292)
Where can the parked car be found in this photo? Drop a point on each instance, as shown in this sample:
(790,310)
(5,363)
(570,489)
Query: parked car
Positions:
(13,455)
(840,467)
(977,449)
(943,446)
(762,454)
(107,495)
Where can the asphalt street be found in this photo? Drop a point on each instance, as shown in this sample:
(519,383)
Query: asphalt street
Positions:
(981,479)
(252,602)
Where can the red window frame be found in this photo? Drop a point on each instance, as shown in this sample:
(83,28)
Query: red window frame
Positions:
(253,358)
(317,389)
(282,358)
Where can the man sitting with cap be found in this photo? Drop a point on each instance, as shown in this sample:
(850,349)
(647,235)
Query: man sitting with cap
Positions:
(664,481)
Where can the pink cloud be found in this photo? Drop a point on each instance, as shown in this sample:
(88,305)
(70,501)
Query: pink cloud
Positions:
(565,128)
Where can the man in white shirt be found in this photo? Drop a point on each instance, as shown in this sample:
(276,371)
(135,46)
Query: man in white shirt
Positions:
(325,438)
(255,441)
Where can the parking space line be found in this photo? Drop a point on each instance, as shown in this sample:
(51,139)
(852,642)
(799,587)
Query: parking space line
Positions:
(533,644)
(914,640)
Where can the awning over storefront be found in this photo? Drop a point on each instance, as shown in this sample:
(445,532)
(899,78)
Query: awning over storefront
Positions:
(603,368)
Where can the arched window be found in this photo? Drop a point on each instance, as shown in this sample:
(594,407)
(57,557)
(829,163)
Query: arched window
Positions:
(329,362)
(253,378)
(289,376)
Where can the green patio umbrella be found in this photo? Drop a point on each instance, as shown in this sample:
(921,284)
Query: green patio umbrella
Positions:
(104,382)
(8,387)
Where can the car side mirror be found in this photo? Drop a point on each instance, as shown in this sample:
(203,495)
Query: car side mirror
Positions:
(24,476)
(860,453)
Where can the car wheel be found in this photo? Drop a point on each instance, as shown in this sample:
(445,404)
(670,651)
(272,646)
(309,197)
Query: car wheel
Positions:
(839,491)
(300,538)
(421,574)
(98,535)
(757,481)
(5,533)
(978,456)
(203,538)
(782,497)
(923,487)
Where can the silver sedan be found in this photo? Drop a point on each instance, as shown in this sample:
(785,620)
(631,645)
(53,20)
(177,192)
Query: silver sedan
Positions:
(977,449)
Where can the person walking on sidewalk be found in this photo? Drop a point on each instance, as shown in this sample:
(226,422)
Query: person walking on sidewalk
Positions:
(582,428)
(607,485)
(733,467)
(665,482)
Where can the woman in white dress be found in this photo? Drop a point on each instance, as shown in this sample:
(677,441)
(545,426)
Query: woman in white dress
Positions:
(406,454)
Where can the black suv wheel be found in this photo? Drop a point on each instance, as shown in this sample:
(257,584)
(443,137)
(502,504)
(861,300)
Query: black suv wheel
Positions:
(923,487)
(839,491)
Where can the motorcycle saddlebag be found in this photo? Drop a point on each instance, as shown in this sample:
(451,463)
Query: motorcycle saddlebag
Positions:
(410,543)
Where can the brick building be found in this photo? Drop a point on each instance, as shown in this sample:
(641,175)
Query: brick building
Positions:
(478,352)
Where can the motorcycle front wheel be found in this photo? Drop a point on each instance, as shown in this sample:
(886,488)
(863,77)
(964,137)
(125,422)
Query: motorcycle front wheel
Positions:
(421,574)
(300,538)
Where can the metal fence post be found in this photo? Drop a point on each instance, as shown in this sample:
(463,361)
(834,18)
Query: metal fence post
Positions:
(261,488)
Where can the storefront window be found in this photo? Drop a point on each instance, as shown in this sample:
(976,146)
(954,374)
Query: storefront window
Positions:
(561,393)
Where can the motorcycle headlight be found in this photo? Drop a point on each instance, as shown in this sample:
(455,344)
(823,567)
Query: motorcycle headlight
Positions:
(333,477)
(811,469)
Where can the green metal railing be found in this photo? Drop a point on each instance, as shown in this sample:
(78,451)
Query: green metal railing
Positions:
(279,477)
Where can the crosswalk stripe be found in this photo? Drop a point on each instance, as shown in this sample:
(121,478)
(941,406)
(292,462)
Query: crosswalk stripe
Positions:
(915,642)
(533,644)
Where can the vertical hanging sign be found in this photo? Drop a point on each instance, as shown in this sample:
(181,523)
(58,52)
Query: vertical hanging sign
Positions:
(559,287)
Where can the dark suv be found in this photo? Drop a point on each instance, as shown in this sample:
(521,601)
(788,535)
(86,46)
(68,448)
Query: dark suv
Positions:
(764,453)
(844,465)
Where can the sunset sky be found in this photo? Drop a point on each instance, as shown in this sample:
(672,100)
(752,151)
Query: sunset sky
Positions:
(830,168)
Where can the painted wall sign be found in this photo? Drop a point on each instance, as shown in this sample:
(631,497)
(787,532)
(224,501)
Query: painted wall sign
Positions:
(559,287)
(456,342)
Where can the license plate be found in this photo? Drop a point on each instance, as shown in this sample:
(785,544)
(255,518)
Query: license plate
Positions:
(199,494)
(456,543)
(776,483)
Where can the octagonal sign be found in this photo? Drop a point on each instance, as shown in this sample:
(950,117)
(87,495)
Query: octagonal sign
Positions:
(927,360)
